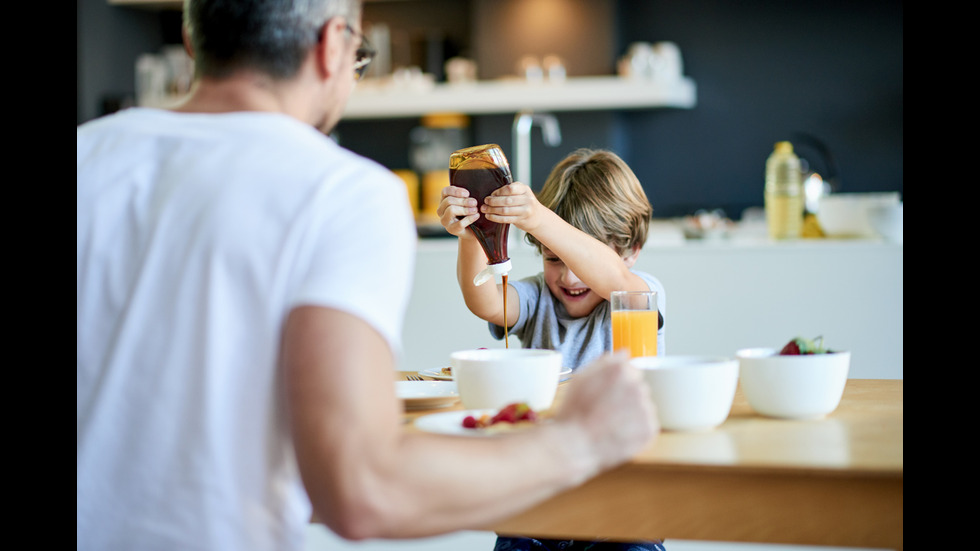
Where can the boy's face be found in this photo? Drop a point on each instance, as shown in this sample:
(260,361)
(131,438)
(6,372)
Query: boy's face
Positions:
(565,286)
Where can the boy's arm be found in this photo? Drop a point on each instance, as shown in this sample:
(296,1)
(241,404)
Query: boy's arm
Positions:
(485,301)
(593,261)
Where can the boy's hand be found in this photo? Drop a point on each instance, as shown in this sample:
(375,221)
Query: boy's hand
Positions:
(456,202)
(513,204)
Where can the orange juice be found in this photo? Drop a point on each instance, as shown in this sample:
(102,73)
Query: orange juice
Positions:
(635,330)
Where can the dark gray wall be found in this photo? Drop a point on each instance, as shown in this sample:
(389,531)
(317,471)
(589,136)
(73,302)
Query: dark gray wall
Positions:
(108,39)
(827,76)
(767,70)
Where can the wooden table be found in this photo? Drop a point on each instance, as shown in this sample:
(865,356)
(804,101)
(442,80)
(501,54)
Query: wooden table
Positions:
(834,481)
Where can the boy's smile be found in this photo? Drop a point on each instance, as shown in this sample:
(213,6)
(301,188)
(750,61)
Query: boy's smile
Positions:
(579,300)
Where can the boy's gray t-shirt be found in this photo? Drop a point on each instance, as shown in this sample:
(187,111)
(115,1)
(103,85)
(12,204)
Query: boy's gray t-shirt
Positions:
(545,324)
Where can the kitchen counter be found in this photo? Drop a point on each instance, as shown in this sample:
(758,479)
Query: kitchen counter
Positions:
(722,295)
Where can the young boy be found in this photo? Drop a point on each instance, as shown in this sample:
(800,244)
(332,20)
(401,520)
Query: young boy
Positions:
(589,223)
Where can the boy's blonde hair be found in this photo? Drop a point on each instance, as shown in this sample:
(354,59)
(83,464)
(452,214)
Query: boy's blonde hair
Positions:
(595,191)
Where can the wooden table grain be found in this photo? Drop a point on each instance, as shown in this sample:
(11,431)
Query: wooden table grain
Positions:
(833,481)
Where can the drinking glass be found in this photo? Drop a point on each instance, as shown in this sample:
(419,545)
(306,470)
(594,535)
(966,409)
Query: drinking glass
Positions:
(635,321)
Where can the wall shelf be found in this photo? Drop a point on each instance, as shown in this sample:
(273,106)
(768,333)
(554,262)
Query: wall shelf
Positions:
(166,4)
(149,4)
(375,101)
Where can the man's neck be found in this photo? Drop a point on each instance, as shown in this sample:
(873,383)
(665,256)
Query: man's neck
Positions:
(244,92)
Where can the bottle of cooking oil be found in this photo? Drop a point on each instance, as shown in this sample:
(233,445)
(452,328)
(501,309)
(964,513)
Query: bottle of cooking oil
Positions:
(784,193)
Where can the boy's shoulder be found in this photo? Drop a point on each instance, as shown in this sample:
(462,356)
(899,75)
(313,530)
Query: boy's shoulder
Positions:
(650,279)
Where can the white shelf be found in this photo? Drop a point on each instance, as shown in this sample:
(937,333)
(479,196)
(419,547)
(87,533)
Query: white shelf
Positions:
(375,101)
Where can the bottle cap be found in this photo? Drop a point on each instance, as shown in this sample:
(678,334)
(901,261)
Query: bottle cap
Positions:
(487,274)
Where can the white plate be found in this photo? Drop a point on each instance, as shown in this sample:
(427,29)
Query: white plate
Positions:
(438,374)
(427,394)
(451,422)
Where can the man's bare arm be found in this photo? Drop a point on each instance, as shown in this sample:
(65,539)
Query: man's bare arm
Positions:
(368,477)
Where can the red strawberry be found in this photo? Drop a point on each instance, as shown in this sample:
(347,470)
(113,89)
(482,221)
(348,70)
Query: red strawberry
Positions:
(506,415)
(791,349)
(799,345)
(512,413)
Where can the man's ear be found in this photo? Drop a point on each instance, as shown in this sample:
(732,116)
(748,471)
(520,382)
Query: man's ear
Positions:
(186,37)
(332,47)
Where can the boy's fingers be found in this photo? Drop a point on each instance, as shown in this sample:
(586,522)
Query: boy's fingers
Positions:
(455,191)
(515,188)
(452,222)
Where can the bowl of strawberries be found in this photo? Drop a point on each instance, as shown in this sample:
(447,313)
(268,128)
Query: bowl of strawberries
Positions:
(801,380)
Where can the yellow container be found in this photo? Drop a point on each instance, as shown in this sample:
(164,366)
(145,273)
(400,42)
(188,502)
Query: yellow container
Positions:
(432,184)
(784,198)
(411,180)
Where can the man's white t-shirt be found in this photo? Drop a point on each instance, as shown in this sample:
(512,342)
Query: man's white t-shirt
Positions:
(196,234)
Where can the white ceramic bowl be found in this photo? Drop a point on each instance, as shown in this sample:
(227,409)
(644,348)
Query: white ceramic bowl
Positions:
(691,392)
(806,386)
(492,378)
(849,214)
(888,221)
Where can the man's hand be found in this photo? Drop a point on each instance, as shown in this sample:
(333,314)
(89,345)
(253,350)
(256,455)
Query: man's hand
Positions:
(609,400)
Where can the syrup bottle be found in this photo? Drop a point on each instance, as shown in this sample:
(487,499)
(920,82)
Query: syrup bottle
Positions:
(482,169)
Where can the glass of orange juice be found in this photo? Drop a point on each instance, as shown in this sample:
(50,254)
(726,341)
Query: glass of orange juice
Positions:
(635,321)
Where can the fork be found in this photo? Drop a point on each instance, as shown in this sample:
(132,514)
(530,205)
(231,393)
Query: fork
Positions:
(414,378)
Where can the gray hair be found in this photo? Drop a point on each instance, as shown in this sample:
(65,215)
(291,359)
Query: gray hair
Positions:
(269,36)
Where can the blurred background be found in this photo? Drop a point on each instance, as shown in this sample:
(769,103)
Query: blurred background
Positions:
(827,76)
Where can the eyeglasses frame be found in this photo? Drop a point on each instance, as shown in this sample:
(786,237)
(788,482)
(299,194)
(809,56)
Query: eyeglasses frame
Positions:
(364,55)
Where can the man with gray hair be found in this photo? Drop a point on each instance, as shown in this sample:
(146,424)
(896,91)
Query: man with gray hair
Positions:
(241,285)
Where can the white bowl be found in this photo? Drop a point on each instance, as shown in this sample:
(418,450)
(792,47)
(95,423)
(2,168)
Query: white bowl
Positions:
(691,392)
(849,214)
(888,222)
(804,386)
(493,378)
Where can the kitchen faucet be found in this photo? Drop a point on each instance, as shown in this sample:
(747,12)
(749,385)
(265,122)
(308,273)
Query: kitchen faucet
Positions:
(523,122)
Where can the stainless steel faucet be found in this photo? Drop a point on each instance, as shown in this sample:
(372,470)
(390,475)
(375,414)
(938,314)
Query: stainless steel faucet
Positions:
(521,133)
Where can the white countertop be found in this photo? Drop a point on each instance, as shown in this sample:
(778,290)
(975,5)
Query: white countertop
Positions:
(668,234)
(722,295)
